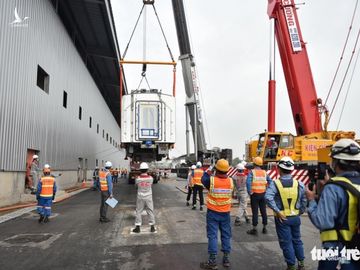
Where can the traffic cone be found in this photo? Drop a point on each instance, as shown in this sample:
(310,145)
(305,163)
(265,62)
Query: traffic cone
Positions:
(83,184)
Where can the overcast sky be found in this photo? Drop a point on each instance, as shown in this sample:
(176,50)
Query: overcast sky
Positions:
(230,42)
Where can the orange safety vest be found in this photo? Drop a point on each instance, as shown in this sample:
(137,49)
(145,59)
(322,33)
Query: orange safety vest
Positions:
(196,180)
(103,181)
(220,194)
(259,182)
(47,186)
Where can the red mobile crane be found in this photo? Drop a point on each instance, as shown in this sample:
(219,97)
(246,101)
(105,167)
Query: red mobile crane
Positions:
(306,106)
(296,66)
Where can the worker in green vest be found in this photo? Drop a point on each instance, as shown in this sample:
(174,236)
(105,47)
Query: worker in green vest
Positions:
(336,214)
(286,197)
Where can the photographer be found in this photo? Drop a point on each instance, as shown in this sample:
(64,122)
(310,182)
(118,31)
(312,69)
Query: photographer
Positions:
(336,213)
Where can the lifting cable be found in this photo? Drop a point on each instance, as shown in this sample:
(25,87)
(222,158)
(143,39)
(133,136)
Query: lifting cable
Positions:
(163,33)
(132,34)
(346,72)
(144,62)
(348,89)
(342,54)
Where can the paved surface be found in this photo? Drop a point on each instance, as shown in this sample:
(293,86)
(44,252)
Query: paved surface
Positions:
(74,239)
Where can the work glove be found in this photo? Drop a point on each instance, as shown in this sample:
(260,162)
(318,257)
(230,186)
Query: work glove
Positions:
(37,197)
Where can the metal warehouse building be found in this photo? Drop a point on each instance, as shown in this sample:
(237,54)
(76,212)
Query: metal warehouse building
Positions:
(59,90)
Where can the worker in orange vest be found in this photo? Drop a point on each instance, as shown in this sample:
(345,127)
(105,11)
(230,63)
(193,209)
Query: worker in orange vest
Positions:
(256,183)
(197,185)
(219,200)
(45,194)
(190,184)
(106,187)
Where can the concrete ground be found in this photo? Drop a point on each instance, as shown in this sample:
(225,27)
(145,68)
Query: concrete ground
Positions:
(74,239)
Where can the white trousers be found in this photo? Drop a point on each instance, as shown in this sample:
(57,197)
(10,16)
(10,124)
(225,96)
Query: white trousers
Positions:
(144,203)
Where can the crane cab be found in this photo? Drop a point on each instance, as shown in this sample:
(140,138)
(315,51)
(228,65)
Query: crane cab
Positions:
(271,146)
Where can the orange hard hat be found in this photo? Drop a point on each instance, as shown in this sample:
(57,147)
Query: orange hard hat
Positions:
(258,161)
(222,165)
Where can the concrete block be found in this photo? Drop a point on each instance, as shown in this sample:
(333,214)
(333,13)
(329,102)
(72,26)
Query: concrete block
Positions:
(12,186)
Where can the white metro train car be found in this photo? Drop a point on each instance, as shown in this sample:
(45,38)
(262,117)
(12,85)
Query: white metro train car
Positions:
(147,124)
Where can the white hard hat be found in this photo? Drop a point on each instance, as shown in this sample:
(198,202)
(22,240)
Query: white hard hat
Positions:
(144,166)
(198,164)
(108,164)
(272,139)
(240,166)
(346,149)
(286,163)
(46,166)
(193,167)
(35,156)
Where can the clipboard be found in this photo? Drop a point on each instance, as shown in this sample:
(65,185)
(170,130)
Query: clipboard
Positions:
(112,202)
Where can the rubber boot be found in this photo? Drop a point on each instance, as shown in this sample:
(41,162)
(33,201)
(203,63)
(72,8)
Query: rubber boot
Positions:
(187,204)
(237,222)
(41,218)
(301,265)
(194,207)
(201,208)
(104,220)
(137,229)
(226,261)
(210,264)
(247,220)
(253,231)
(46,219)
(264,230)
(152,229)
(291,267)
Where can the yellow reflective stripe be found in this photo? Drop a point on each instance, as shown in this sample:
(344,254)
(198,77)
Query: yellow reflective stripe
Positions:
(257,177)
(42,195)
(213,202)
(213,191)
(222,196)
(47,185)
(332,235)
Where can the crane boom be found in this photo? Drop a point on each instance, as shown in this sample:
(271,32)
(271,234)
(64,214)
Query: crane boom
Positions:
(296,66)
(189,75)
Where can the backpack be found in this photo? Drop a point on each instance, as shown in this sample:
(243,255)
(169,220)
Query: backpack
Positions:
(355,241)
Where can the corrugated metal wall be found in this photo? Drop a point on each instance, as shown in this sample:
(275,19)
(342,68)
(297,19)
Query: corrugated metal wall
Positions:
(33,119)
